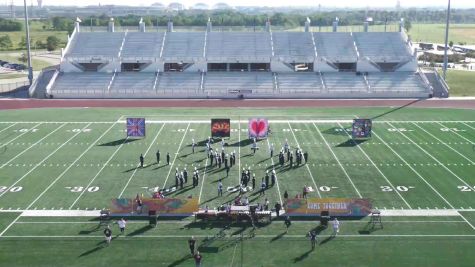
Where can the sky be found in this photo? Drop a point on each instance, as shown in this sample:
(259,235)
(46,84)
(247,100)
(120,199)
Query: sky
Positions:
(328,3)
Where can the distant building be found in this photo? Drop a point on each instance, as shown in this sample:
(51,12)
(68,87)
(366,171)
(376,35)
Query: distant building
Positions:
(200,6)
(176,6)
(222,6)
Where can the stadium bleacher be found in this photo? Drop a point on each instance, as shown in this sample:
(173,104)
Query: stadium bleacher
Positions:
(225,81)
(96,44)
(142,45)
(335,46)
(293,46)
(249,46)
(379,47)
(167,64)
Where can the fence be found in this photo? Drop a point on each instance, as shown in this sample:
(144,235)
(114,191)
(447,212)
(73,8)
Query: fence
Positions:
(9,87)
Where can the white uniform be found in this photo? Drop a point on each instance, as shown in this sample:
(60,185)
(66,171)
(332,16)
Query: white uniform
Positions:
(336,226)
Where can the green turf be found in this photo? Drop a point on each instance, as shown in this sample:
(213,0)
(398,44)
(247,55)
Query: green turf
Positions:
(461,83)
(413,161)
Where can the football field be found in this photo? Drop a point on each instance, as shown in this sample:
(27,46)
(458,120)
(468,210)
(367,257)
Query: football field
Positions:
(418,169)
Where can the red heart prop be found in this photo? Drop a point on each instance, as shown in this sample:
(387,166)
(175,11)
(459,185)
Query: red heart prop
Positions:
(258,127)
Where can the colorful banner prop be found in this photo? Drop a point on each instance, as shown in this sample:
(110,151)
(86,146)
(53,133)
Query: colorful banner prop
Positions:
(258,127)
(351,207)
(361,128)
(163,206)
(136,127)
(220,127)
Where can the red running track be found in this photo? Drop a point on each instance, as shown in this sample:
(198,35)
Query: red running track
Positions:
(250,103)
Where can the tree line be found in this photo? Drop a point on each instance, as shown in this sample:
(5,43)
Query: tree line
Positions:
(288,19)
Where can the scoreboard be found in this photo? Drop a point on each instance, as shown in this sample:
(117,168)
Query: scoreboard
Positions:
(361,128)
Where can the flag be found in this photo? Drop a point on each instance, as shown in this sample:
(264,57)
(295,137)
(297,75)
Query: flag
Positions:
(136,127)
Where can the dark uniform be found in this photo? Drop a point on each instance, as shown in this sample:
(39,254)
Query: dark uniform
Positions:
(191,244)
(305,156)
(287,223)
(158,156)
(168,158)
(141,160)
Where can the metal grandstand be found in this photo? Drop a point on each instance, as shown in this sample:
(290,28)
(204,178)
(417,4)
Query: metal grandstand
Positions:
(263,64)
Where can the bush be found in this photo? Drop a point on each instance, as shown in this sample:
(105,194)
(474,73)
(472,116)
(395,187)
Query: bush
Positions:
(52,43)
(7,25)
(5,42)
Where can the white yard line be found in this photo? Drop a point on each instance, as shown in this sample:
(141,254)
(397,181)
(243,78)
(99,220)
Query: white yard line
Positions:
(180,222)
(379,170)
(136,168)
(10,225)
(301,236)
(13,124)
(239,152)
(207,121)
(459,135)
(430,155)
(423,179)
(41,162)
(21,153)
(339,163)
(70,166)
(176,155)
(442,142)
(20,135)
(465,123)
(234,253)
(203,179)
(306,165)
(276,178)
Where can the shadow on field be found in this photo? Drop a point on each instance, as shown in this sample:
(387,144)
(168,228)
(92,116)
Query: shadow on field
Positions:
(141,230)
(180,261)
(396,109)
(351,143)
(303,256)
(119,142)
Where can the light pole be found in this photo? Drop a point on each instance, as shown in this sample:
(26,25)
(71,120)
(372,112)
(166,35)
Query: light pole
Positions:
(30,70)
(446,58)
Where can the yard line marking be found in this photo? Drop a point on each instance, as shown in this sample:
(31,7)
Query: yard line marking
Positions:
(301,236)
(8,127)
(234,253)
(16,219)
(334,155)
(20,135)
(414,170)
(446,143)
(239,152)
(276,178)
(10,225)
(136,168)
(465,123)
(21,153)
(471,225)
(187,222)
(379,170)
(70,166)
(430,155)
(461,136)
(207,121)
(306,165)
(203,180)
(41,162)
(176,155)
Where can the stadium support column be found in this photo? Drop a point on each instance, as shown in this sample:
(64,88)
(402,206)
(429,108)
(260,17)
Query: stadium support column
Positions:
(30,70)
(335,25)
(209,25)
(307,25)
(110,28)
(366,26)
(446,59)
(170,26)
(77,24)
(268,25)
(401,25)
(142,25)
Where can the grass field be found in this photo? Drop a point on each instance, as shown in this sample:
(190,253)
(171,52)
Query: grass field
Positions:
(461,83)
(417,160)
